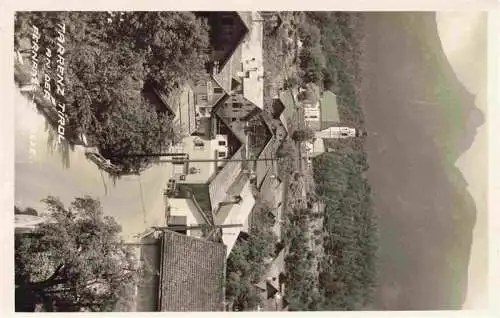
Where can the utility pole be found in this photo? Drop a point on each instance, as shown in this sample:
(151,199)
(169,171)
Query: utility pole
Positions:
(194,227)
(184,159)
(181,161)
(158,154)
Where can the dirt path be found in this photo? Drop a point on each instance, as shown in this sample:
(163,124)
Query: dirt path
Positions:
(420,119)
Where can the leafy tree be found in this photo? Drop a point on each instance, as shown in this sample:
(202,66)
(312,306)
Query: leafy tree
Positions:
(312,62)
(74,262)
(245,265)
(291,82)
(110,60)
(26,211)
(303,135)
(287,149)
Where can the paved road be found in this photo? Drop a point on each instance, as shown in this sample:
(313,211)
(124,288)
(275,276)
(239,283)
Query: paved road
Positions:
(135,201)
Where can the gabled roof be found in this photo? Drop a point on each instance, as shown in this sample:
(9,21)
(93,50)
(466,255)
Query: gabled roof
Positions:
(247,56)
(223,77)
(268,152)
(271,276)
(220,184)
(284,121)
(329,112)
(235,213)
(269,183)
(253,85)
(192,274)
(287,100)
(185,116)
(246,18)
(200,196)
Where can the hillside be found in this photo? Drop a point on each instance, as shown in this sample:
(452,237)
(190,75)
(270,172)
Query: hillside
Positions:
(421,119)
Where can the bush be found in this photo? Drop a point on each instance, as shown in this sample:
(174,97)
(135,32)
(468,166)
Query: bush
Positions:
(303,135)
(245,265)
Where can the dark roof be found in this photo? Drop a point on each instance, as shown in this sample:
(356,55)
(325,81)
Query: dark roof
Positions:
(246,18)
(192,274)
(201,198)
(163,98)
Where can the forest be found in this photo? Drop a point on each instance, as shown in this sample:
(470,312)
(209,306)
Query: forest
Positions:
(110,59)
(348,270)
(332,45)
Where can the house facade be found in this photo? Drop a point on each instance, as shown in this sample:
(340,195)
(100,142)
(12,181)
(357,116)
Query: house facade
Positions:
(199,148)
(206,96)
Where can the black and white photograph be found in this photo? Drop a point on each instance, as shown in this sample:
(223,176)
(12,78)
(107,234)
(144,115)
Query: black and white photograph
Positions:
(200,161)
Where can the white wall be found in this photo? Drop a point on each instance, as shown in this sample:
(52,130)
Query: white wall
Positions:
(186,207)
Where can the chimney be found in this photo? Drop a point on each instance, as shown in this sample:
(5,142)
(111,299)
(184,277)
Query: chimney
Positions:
(235,199)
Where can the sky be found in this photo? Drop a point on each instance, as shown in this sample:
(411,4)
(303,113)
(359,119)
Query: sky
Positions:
(462,36)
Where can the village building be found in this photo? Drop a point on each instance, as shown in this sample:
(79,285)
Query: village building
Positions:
(199,148)
(283,108)
(180,273)
(271,285)
(310,101)
(179,105)
(329,126)
(242,75)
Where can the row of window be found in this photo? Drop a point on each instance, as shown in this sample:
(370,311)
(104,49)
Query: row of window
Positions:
(202,144)
(216,90)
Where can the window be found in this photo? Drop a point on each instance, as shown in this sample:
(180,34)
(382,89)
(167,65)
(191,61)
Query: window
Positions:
(313,116)
(236,105)
(233,119)
(222,154)
(222,142)
(199,144)
(217,90)
(203,97)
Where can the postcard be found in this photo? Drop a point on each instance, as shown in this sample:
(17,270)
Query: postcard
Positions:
(250,161)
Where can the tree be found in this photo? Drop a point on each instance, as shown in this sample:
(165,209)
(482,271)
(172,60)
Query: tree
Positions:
(26,211)
(75,262)
(303,135)
(287,149)
(109,64)
(246,266)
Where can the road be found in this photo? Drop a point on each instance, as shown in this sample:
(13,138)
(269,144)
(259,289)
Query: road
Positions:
(134,201)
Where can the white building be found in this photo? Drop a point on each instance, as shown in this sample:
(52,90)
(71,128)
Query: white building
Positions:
(337,133)
(231,213)
(197,148)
